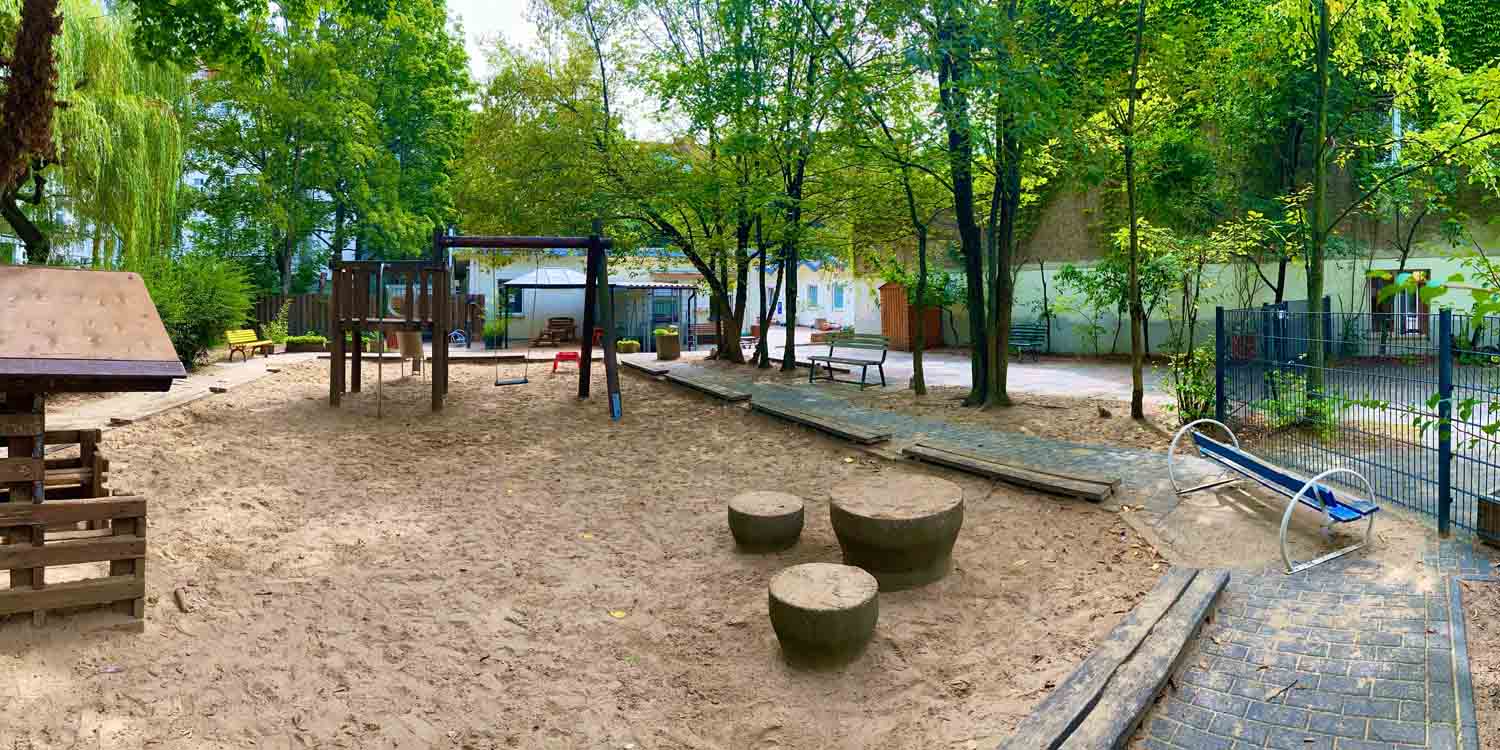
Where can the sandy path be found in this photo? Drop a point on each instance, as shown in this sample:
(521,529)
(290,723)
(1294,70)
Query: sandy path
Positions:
(449,581)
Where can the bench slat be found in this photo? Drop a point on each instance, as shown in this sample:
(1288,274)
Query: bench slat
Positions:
(1282,481)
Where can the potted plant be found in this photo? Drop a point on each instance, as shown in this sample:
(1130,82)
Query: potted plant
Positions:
(668,345)
(627,346)
(494,332)
(311,342)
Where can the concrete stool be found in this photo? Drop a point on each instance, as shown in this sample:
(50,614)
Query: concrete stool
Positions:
(900,527)
(823,613)
(765,521)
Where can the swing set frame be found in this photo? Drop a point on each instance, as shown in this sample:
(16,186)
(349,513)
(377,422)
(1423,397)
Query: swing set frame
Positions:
(358,294)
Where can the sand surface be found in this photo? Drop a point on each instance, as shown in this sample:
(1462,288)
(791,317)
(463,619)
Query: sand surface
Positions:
(1482,615)
(517,571)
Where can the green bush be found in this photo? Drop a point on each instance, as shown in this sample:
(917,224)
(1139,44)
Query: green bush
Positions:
(1190,380)
(496,328)
(199,297)
(311,338)
(276,330)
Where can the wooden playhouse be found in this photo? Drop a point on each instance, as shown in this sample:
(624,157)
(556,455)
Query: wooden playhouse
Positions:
(70,330)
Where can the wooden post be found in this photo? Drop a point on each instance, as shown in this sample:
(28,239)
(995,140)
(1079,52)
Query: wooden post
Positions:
(21,449)
(439,338)
(607,322)
(590,301)
(336,334)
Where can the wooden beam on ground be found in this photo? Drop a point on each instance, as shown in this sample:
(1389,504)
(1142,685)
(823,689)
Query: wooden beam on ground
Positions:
(654,371)
(712,389)
(1060,713)
(836,427)
(1093,489)
(1139,680)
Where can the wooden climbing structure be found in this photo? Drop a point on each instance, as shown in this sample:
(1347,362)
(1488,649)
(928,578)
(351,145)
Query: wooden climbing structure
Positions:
(380,296)
(71,331)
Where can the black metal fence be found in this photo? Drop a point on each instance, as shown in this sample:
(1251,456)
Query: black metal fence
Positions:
(1410,400)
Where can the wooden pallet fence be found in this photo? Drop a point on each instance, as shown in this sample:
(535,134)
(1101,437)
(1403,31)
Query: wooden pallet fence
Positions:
(33,546)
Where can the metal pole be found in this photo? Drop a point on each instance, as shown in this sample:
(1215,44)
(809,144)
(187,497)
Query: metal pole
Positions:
(1445,415)
(1219,347)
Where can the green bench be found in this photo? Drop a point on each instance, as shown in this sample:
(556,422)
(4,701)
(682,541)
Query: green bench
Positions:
(1028,337)
(854,346)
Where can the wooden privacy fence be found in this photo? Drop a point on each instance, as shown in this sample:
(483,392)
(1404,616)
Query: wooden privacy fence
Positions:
(308,313)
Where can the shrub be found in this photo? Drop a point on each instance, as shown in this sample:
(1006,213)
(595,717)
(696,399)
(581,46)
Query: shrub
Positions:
(199,297)
(496,328)
(311,338)
(276,330)
(1190,380)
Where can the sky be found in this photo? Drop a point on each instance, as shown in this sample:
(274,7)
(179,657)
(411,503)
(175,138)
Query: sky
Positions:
(487,19)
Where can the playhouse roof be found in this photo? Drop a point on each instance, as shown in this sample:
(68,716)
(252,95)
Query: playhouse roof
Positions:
(74,330)
(567,278)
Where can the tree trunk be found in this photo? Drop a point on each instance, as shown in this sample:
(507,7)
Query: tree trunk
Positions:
(919,309)
(789,261)
(289,248)
(1002,281)
(1318,235)
(762,352)
(953,75)
(38,246)
(1137,311)
(95,261)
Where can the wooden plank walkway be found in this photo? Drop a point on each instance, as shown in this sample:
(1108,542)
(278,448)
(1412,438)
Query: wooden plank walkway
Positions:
(1091,488)
(712,389)
(1101,702)
(830,425)
(652,369)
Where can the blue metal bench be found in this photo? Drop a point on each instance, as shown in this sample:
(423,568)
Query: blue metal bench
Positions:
(1310,492)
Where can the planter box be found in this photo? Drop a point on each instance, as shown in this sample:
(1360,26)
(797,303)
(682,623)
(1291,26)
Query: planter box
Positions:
(668,347)
(1488,526)
(297,348)
(628,347)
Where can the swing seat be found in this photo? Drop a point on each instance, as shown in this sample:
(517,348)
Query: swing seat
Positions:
(511,381)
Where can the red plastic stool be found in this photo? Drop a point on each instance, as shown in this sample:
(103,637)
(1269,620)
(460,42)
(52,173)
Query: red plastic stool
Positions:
(564,357)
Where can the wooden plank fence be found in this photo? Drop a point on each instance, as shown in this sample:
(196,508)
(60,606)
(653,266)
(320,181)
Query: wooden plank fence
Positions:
(308,313)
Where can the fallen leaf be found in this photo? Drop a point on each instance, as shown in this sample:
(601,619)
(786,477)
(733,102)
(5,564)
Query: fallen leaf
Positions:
(585,535)
(618,614)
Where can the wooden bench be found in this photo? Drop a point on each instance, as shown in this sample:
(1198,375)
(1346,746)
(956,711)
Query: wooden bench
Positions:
(859,343)
(1028,337)
(243,340)
(704,333)
(1310,492)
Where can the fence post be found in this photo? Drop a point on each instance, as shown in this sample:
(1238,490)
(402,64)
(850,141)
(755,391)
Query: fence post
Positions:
(1445,418)
(1220,341)
(1327,329)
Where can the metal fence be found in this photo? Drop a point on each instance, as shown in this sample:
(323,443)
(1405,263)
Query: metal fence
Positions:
(1410,400)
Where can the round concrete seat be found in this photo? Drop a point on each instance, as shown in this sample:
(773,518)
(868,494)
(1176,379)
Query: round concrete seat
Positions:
(823,613)
(899,527)
(765,520)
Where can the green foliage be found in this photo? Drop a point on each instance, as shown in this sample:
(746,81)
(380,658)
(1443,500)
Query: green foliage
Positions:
(668,331)
(276,330)
(1190,380)
(309,338)
(199,297)
(945,288)
(1292,404)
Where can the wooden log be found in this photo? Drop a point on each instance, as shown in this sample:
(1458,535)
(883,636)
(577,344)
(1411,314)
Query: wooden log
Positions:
(1025,476)
(836,427)
(20,425)
(22,470)
(71,511)
(1134,686)
(72,551)
(72,594)
(1055,718)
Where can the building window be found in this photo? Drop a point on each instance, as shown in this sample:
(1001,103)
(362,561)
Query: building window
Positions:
(1402,313)
(812,295)
(513,298)
(838,296)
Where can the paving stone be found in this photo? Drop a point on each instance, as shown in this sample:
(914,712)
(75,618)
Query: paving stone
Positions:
(1221,702)
(1373,707)
(1398,731)
(1342,726)
(1315,699)
(1344,685)
(1186,713)
(1408,691)
(1285,716)
(1282,738)
(1193,739)
(1240,729)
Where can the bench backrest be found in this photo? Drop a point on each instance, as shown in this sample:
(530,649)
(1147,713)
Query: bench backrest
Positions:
(560,324)
(241,336)
(1281,480)
(861,341)
(1028,332)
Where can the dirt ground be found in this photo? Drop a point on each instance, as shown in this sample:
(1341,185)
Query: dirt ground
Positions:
(1482,615)
(518,571)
